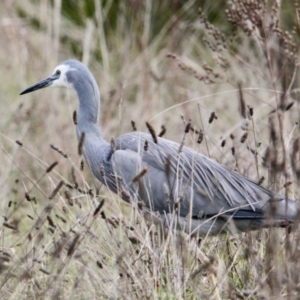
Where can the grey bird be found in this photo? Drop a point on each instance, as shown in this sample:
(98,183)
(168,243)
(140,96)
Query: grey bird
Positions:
(178,186)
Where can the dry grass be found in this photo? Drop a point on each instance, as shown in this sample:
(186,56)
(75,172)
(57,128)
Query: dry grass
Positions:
(59,239)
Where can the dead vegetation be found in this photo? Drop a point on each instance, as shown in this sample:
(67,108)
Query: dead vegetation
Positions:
(63,235)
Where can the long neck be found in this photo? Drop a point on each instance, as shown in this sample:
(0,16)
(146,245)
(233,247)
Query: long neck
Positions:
(89,102)
(89,109)
(95,148)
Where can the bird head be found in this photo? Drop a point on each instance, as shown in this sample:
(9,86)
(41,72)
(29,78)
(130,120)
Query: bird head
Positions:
(58,78)
(69,74)
(73,74)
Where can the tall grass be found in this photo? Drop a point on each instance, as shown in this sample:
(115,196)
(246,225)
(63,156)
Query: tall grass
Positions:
(237,84)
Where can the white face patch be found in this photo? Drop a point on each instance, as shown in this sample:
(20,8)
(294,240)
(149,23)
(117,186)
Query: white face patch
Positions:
(62,80)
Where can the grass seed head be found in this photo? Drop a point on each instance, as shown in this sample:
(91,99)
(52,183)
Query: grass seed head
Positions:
(56,190)
(163,131)
(140,175)
(146,145)
(133,125)
(98,208)
(75,117)
(51,167)
(80,144)
(152,132)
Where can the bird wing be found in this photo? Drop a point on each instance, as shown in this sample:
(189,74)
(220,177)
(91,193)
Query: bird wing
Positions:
(198,185)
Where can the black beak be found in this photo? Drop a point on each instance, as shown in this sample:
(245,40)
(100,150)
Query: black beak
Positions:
(41,84)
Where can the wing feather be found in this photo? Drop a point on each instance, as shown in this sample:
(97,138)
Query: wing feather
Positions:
(200,184)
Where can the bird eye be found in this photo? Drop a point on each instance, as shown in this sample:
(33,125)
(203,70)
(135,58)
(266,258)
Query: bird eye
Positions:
(57,72)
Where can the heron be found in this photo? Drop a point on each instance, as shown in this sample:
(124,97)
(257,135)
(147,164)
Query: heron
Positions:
(177,185)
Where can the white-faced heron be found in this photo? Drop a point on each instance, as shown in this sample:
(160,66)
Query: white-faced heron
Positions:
(188,189)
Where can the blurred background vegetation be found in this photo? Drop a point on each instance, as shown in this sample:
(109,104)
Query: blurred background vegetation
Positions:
(160,61)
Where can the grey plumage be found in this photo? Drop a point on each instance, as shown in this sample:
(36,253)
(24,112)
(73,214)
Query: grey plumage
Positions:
(186,188)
